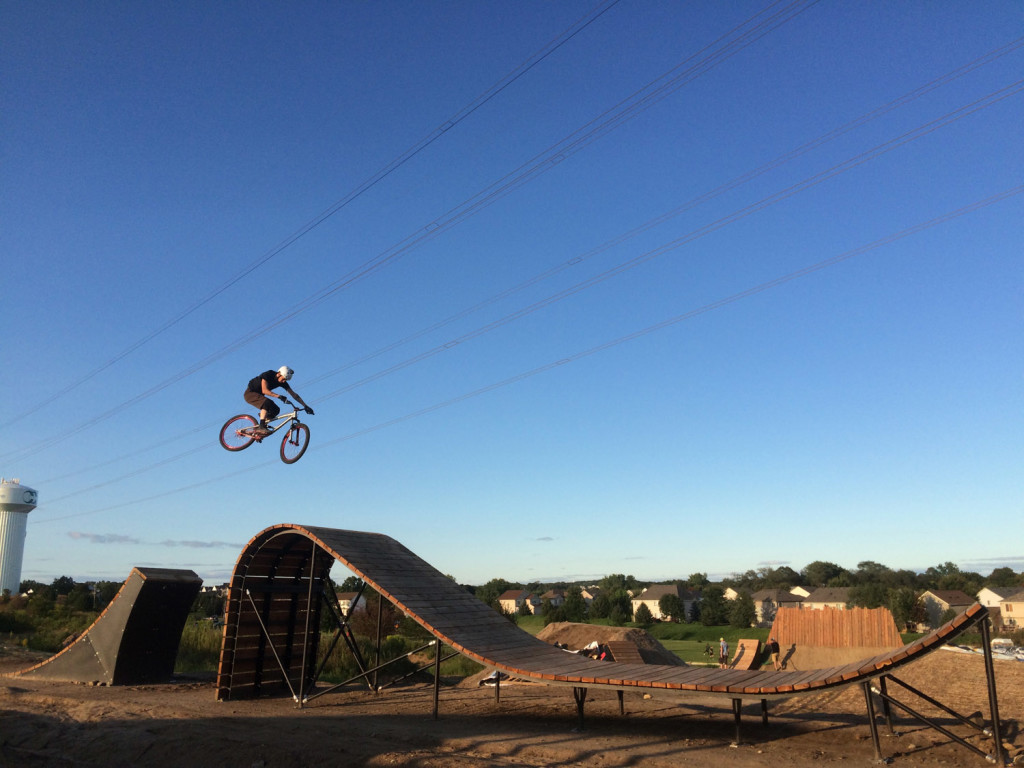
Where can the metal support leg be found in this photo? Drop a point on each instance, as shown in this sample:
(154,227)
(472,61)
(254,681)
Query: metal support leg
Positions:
(305,636)
(886,708)
(993,699)
(580,695)
(380,627)
(622,704)
(764,712)
(497,687)
(737,705)
(871,720)
(437,675)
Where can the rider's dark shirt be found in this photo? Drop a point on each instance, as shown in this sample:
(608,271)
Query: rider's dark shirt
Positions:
(268,376)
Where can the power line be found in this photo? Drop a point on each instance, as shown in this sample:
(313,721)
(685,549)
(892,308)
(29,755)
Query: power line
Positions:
(905,138)
(577,356)
(738,38)
(539,56)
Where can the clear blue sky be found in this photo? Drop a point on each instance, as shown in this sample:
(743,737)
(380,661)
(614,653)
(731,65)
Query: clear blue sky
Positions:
(423,207)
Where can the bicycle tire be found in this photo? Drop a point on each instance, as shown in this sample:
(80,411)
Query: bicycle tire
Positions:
(231,436)
(295,442)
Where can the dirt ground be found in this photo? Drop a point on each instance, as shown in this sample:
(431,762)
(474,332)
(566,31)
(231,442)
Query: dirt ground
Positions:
(181,723)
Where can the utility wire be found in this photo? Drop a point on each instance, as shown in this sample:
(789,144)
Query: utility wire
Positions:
(923,130)
(703,231)
(543,53)
(735,40)
(690,205)
(669,322)
(799,151)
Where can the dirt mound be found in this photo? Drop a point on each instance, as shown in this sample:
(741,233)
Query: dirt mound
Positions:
(577,636)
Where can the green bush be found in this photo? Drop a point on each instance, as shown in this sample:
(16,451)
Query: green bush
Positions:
(199,647)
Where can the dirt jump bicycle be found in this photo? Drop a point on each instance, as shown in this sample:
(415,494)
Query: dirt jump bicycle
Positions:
(241,431)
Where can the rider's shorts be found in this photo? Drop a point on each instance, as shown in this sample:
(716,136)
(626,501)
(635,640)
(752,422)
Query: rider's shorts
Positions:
(261,401)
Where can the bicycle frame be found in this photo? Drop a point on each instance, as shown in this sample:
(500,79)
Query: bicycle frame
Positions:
(284,418)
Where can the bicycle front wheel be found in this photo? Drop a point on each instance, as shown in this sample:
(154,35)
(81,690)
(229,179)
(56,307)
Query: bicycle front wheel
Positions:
(235,435)
(295,443)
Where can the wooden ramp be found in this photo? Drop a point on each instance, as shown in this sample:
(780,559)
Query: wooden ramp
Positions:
(747,655)
(810,639)
(623,650)
(135,639)
(279,589)
(270,591)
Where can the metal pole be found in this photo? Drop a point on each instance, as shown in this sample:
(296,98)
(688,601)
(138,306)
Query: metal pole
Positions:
(931,724)
(437,674)
(737,704)
(305,636)
(764,712)
(380,622)
(580,695)
(886,709)
(871,719)
(993,699)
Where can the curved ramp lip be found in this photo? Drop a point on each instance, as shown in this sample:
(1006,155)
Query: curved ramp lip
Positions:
(473,629)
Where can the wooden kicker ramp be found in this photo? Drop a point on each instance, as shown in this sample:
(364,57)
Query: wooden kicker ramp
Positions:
(135,639)
(271,635)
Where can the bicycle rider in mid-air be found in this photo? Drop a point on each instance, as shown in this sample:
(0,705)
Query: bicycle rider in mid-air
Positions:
(259,394)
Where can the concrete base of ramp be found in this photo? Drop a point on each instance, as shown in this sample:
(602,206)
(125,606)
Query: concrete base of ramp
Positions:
(135,639)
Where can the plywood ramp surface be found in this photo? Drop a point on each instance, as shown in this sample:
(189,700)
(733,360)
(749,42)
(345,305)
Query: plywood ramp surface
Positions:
(290,555)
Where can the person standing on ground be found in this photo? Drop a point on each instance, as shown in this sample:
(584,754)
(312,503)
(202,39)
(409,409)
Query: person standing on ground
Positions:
(723,653)
(259,393)
(773,648)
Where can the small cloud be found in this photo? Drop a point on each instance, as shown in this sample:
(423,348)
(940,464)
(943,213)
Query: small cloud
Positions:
(102,538)
(200,544)
(773,563)
(982,564)
(545,538)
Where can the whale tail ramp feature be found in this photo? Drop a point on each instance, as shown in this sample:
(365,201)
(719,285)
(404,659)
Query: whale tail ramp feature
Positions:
(135,639)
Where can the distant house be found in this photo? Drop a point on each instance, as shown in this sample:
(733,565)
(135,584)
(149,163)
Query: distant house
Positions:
(1012,610)
(937,601)
(589,593)
(827,597)
(345,601)
(554,596)
(991,597)
(800,591)
(652,596)
(768,601)
(512,601)
(730,594)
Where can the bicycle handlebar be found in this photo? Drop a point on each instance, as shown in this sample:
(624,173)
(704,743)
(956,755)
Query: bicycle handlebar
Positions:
(286,401)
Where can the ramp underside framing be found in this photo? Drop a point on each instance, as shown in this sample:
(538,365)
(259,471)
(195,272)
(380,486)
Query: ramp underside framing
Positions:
(277,590)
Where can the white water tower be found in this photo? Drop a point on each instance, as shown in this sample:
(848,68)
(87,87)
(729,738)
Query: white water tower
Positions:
(16,501)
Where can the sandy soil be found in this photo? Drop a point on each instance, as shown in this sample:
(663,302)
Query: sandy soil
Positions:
(181,723)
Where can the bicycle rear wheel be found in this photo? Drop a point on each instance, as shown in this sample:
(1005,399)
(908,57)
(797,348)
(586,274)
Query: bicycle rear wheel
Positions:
(235,435)
(295,443)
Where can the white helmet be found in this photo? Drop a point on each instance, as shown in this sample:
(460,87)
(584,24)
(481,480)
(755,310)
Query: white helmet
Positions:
(286,372)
